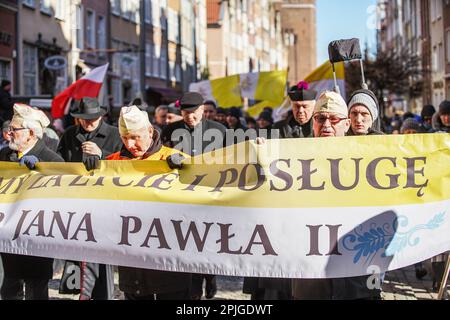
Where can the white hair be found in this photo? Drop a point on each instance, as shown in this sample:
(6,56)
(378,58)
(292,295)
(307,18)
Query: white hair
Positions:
(35,126)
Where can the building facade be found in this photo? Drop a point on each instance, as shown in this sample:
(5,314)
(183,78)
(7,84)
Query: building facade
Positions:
(244,36)
(8,42)
(423,27)
(298,22)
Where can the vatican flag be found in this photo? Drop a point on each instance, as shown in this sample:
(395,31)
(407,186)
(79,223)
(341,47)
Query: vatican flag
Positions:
(230,91)
(320,79)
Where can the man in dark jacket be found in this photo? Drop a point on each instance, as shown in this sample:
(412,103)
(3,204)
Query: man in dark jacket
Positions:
(299,123)
(441,120)
(89,142)
(187,136)
(6,104)
(92,139)
(27,147)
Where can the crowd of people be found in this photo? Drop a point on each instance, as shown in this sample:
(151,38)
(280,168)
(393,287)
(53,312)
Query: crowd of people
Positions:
(29,137)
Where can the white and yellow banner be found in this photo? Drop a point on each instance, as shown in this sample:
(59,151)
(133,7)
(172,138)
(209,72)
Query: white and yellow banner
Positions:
(306,208)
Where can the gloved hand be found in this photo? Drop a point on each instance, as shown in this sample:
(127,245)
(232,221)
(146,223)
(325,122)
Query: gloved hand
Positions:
(175,161)
(29,161)
(91,162)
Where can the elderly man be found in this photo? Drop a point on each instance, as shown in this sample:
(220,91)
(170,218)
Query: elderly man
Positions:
(26,146)
(91,140)
(142,142)
(363,112)
(183,134)
(187,136)
(299,123)
(330,119)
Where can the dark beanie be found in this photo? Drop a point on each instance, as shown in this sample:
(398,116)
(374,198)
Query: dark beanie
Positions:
(5,83)
(265,115)
(427,111)
(410,124)
(221,111)
(444,107)
(235,112)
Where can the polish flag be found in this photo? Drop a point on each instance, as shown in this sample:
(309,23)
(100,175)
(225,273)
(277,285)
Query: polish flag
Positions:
(87,86)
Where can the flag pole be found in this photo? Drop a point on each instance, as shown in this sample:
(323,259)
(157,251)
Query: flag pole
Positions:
(444,279)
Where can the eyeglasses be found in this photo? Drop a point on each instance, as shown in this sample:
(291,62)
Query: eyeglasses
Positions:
(321,119)
(12,129)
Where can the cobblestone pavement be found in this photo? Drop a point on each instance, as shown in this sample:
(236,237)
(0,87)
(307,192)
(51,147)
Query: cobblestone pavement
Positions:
(398,285)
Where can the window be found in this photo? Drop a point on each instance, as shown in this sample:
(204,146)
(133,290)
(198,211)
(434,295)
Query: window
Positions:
(116,57)
(134,10)
(126,9)
(156,58)
(90,28)
(163,63)
(101,35)
(448,45)
(148,59)
(60,9)
(163,13)
(148,11)
(45,7)
(178,72)
(79,25)
(441,57)
(174,32)
(172,76)
(29,69)
(115,7)
(5,70)
(116,85)
(156,13)
(29,3)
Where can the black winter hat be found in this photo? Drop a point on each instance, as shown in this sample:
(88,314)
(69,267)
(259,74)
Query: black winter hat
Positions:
(301,92)
(444,107)
(235,112)
(266,116)
(427,111)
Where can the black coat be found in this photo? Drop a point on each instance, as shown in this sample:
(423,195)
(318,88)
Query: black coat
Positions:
(6,106)
(107,139)
(26,267)
(290,128)
(187,136)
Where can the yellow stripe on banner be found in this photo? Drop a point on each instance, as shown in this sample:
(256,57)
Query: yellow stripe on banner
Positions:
(292,173)
(226,91)
(325,72)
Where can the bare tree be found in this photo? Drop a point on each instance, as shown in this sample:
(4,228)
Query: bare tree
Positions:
(393,72)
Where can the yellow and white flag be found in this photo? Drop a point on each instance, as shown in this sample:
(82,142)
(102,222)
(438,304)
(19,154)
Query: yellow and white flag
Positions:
(320,79)
(230,91)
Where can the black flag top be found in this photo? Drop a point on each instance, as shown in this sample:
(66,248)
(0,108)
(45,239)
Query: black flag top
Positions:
(344,50)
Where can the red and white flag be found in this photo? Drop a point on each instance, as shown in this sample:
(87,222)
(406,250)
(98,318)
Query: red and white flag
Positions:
(87,86)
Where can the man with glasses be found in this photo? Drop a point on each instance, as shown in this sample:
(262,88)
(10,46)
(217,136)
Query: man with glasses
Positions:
(27,147)
(330,119)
